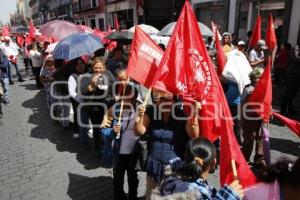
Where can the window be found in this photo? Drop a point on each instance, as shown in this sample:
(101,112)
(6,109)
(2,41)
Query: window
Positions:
(101,23)
(94,3)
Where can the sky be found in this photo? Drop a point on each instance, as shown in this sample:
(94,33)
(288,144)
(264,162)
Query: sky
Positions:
(7,7)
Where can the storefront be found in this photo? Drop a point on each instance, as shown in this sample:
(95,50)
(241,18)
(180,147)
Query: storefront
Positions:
(210,10)
(125,10)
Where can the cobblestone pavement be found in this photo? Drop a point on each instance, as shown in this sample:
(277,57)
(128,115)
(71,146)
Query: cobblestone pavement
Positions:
(40,160)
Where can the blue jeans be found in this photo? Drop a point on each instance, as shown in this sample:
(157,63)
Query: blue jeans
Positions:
(83,122)
(5,86)
(17,71)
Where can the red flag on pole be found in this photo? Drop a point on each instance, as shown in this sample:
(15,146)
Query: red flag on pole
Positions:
(221,58)
(116,22)
(5,31)
(186,69)
(291,124)
(271,41)
(262,95)
(32,33)
(144,58)
(256,35)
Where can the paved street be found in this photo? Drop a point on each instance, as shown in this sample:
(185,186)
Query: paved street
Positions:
(40,160)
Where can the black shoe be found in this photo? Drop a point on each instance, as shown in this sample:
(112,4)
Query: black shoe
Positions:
(11,83)
(21,80)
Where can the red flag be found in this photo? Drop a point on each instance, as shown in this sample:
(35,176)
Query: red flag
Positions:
(5,31)
(292,124)
(262,95)
(144,58)
(32,33)
(215,30)
(116,22)
(186,69)
(271,41)
(20,40)
(27,40)
(221,58)
(256,35)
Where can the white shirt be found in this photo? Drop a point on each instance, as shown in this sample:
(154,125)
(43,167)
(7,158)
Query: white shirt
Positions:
(256,56)
(9,50)
(72,87)
(36,58)
(128,138)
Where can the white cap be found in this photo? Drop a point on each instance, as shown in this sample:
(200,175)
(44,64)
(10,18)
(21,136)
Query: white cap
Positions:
(262,44)
(241,43)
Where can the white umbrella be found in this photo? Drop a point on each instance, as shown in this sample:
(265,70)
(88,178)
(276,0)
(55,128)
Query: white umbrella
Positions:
(150,30)
(168,30)
(160,39)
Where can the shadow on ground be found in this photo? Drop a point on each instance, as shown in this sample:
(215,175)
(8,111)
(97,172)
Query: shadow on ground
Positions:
(63,138)
(82,187)
(285,146)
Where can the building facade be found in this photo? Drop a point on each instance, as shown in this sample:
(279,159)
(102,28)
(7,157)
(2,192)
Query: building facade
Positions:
(90,13)
(239,16)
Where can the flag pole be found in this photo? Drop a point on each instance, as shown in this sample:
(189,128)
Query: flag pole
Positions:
(233,166)
(122,105)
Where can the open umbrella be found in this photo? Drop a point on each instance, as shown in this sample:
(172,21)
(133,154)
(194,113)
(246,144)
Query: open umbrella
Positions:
(168,30)
(19,29)
(123,37)
(77,45)
(85,29)
(150,30)
(59,29)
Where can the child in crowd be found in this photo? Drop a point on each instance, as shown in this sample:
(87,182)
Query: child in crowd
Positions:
(200,159)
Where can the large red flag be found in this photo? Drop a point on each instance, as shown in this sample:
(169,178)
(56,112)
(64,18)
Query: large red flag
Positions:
(186,69)
(144,58)
(291,124)
(262,95)
(256,35)
(5,31)
(271,41)
(116,22)
(32,33)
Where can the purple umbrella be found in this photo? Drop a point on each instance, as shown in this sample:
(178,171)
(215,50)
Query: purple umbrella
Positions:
(59,29)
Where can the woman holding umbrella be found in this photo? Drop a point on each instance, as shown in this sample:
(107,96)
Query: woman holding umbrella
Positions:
(97,90)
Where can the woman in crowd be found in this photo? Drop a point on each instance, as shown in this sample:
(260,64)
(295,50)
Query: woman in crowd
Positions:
(200,160)
(97,89)
(124,143)
(37,63)
(168,134)
(46,78)
(280,181)
(79,69)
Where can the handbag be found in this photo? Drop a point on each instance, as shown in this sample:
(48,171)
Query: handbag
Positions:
(140,153)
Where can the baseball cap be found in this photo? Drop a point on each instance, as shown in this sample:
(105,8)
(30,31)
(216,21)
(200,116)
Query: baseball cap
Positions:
(241,43)
(261,44)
